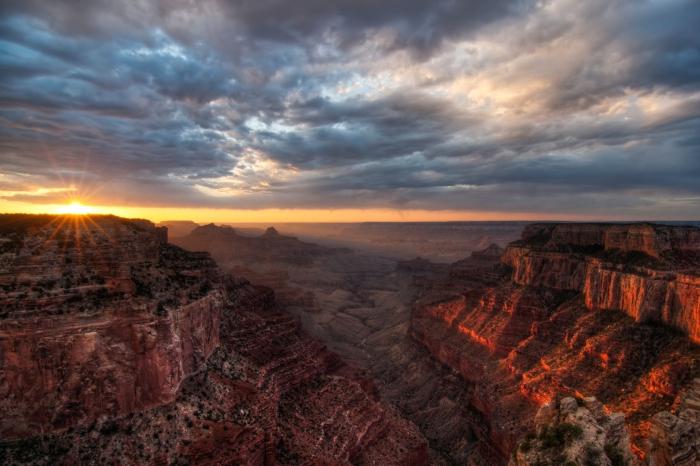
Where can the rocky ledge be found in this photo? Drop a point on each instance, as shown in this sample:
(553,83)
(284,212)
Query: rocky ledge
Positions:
(576,431)
(650,272)
(526,331)
(170,363)
(100,316)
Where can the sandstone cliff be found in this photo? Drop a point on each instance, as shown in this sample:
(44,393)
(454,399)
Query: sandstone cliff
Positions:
(548,325)
(100,317)
(650,272)
(170,362)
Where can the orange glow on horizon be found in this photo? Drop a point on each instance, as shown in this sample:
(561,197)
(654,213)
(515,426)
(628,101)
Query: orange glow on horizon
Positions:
(272,216)
(74,208)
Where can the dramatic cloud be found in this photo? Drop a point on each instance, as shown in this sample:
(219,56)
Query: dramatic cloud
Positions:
(558,106)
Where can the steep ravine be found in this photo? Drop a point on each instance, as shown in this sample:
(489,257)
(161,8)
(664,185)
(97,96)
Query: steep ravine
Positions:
(473,352)
(470,352)
(362,309)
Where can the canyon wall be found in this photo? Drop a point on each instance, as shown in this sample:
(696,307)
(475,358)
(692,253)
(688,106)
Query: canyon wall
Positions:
(101,317)
(663,287)
(65,370)
(118,348)
(544,323)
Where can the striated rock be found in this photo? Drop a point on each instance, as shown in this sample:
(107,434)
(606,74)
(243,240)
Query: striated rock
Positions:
(571,431)
(662,285)
(63,371)
(267,395)
(100,317)
(674,438)
(651,239)
(522,343)
(175,364)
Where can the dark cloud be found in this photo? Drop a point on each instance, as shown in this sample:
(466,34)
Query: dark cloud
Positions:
(555,107)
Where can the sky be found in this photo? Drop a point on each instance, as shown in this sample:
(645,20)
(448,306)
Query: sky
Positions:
(350,110)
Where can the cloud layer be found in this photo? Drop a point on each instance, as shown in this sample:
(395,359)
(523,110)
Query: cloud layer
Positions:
(560,107)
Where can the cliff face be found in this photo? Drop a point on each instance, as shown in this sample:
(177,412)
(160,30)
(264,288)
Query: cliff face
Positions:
(547,326)
(156,357)
(100,317)
(651,239)
(657,280)
(63,371)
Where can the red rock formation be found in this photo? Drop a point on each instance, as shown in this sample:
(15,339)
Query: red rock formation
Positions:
(656,290)
(651,239)
(63,370)
(520,344)
(101,317)
(184,365)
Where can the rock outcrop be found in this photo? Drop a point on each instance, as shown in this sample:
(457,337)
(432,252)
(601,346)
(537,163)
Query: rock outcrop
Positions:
(650,272)
(175,363)
(574,431)
(674,437)
(527,331)
(100,316)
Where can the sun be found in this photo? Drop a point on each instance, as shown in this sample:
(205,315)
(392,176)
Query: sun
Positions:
(74,208)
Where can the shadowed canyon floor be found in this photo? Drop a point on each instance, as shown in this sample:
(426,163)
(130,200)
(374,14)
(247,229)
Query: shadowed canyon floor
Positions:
(360,306)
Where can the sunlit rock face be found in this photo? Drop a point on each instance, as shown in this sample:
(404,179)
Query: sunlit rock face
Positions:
(550,325)
(650,272)
(174,362)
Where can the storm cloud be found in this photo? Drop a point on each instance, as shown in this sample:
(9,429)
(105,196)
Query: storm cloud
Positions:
(557,106)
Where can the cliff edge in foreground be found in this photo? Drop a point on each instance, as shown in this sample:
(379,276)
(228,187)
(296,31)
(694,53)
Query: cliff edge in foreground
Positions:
(118,348)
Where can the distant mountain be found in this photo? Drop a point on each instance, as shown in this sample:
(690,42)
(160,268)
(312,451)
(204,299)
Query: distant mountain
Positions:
(228,247)
(178,227)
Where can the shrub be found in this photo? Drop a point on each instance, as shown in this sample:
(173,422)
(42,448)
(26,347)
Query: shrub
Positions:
(559,435)
(614,455)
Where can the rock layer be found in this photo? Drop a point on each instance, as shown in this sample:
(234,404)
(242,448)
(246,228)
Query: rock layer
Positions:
(662,285)
(547,327)
(101,317)
(176,363)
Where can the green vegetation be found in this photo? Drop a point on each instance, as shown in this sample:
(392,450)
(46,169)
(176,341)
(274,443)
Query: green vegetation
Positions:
(592,455)
(31,449)
(559,435)
(615,455)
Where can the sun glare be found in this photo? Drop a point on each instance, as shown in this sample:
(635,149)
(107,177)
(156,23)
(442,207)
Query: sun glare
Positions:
(74,208)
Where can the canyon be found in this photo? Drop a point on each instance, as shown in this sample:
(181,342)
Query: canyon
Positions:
(575,344)
(117,347)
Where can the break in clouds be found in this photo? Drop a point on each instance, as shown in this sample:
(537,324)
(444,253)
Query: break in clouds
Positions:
(555,107)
